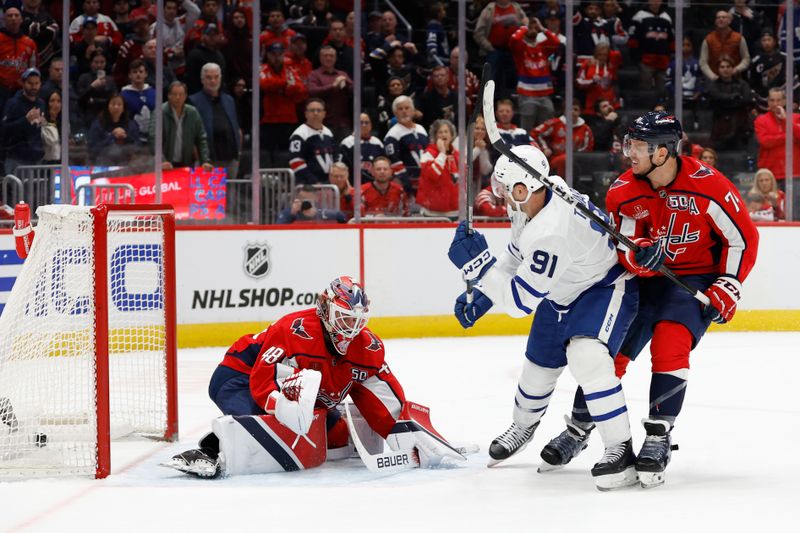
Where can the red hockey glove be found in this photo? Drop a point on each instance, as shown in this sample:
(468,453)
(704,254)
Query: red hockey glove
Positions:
(724,294)
(647,260)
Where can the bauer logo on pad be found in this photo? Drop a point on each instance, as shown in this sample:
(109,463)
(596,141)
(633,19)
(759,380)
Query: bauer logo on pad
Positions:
(256,260)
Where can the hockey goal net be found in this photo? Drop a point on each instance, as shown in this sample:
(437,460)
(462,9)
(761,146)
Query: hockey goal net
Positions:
(87,340)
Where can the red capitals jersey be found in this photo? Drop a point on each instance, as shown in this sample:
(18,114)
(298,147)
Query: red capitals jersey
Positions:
(700,217)
(296,342)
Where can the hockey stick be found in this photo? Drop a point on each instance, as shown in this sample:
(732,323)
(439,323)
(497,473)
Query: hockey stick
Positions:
(476,111)
(504,149)
(381,463)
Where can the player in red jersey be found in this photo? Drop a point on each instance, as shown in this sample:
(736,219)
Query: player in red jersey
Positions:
(286,382)
(691,218)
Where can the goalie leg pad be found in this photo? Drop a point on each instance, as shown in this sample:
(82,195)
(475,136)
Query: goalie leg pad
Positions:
(414,430)
(261,444)
(593,368)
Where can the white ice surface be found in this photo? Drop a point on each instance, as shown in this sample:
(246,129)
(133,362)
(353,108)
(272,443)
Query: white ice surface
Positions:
(737,469)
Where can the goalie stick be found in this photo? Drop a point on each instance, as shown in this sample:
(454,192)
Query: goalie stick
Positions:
(476,111)
(504,149)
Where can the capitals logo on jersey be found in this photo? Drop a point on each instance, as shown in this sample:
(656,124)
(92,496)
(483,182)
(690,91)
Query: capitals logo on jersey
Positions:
(299,330)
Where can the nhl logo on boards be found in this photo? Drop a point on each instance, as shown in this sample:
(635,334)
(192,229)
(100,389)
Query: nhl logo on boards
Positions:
(256,260)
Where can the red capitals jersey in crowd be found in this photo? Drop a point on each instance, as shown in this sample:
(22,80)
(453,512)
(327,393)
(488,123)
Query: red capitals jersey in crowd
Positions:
(296,342)
(552,134)
(393,202)
(704,224)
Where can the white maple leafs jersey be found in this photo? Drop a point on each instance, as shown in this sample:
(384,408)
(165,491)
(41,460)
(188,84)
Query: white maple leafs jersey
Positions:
(557,255)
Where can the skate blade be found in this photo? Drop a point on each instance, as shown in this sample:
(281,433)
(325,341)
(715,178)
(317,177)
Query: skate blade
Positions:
(621,480)
(650,480)
(492,461)
(546,467)
(203,470)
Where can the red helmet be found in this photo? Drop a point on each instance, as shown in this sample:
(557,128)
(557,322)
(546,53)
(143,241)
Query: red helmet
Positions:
(344,309)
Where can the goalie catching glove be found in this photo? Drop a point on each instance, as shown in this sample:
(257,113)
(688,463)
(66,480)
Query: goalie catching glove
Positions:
(293,406)
(470,253)
(724,294)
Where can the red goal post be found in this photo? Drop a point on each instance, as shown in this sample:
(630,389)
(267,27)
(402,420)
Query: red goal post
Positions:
(88,340)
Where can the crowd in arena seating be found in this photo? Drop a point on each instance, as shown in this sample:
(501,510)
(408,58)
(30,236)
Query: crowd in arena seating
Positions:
(732,81)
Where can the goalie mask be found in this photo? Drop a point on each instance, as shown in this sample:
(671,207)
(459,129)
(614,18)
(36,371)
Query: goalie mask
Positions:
(344,310)
(507,174)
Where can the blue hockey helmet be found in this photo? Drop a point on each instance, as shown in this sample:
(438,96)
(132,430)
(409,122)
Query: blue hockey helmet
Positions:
(656,128)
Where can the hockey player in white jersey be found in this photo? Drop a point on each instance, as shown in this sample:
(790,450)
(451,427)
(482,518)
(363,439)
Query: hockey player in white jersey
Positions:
(564,267)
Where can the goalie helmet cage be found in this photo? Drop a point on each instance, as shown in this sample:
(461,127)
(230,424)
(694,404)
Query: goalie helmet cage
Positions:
(87,340)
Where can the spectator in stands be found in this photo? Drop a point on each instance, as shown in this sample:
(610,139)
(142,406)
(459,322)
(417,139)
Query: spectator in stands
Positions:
(121,16)
(349,32)
(436,42)
(311,146)
(489,205)
(339,176)
(767,70)
(604,123)
(334,87)
(531,46)
(472,81)
(731,102)
(616,14)
(771,134)
(149,58)
(218,111)
(371,148)
(51,130)
(773,200)
(83,50)
(651,43)
(281,90)
(598,77)
(344,52)
(207,51)
(382,196)
(184,138)
(174,32)
(238,50)
(42,28)
(723,41)
(688,147)
(390,31)
(23,117)
(709,157)
(438,179)
(140,98)
(551,8)
(108,35)
(591,29)
(314,20)
(243,99)
(510,132)
(194,33)
(54,77)
(18,53)
(404,144)
(303,210)
(746,21)
(552,137)
(481,159)
(296,57)
(395,60)
(394,87)
(94,89)
(691,80)
(793,24)
(497,23)
(113,137)
(440,101)
(374,37)
(277,31)
(132,48)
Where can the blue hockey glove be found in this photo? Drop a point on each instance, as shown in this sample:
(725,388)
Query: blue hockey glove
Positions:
(470,253)
(469,313)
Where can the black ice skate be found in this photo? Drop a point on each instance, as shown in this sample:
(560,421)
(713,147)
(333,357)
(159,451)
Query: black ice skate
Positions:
(655,453)
(617,467)
(203,462)
(511,442)
(565,447)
